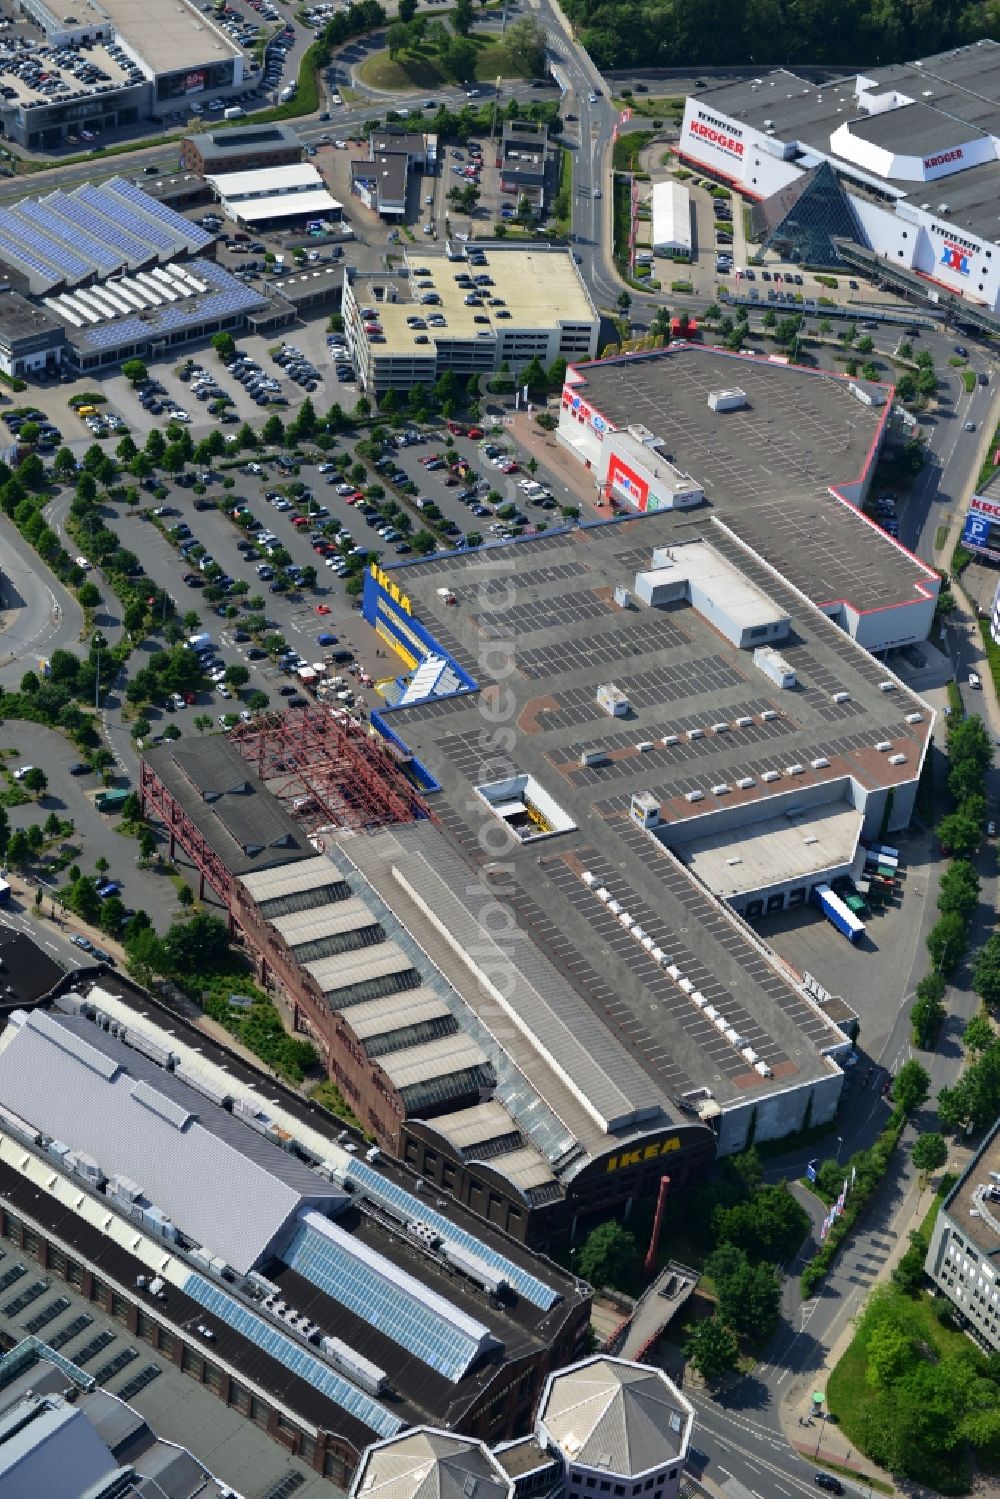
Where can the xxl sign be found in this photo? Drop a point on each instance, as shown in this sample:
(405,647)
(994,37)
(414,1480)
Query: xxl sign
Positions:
(643,1153)
(954,258)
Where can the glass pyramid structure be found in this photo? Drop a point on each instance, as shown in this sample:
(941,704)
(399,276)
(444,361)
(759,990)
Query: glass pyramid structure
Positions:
(801,221)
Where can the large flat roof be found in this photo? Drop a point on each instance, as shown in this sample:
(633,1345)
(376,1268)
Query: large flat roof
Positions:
(539,288)
(261,181)
(169,37)
(973,1211)
(682,679)
(768,469)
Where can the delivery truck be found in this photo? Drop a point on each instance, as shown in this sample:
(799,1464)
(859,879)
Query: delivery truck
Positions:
(837,913)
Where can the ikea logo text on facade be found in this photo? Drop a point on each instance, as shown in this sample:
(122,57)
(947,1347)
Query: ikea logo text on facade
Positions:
(644,1153)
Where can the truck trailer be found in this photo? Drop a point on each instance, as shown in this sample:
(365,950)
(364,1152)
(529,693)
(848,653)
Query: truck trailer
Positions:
(836,911)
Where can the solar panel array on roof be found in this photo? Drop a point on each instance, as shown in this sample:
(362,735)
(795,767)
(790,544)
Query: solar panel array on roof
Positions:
(69,238)
(371,1286)
(404,1205)
(295,1358)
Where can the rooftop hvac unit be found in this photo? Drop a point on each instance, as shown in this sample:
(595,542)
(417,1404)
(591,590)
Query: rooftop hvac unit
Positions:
(593,757)
(745,782)
(769,775)
(614,906)
(820,762)
(897,759)
(710,1012)
(695,796)
(887,687)
(744,721)
(472,1265)
(603,894)
(884,746)
(638,933)
(762,1068)
(720,728)
(646,744)
(914,718)
(686,984)
(625,920)
(674,972)
(794,770)
(361,1370)
(696,733)
(768,714)
(721,1023)
(699,999)
(734,1038)
(748,1054)
(721,790)
(841,697)
(669,739)
(658,955)
(588,879)
(647,943)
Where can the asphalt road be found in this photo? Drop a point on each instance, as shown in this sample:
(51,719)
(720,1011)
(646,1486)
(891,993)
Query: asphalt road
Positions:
(38,617)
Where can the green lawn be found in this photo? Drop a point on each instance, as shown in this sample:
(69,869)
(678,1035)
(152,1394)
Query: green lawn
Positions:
(422,69)
(848,1392)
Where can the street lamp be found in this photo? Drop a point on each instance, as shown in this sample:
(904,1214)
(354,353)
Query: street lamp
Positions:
(840,1141)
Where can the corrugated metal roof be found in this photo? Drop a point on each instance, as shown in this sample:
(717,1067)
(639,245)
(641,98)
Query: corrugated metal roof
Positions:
(353,968)
(221,1183)
(441,1058)
(377,1017)
(265,884)
(322,921)
(526,1168)
(466,1128)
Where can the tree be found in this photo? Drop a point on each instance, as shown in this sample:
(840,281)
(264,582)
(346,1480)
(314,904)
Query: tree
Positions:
(525,43)
(911,1087)
(460,57)
(18,848)
(224,345)
(237,675)
(154,447)
(185,896)
(909,1272)
(199,945)
(273,431)
(396,38)
(202,721)
(147,843)
(986,972)
(112,915)
(929,1153)
(84,900)
(423,543)
(928,1010)
(608,1256)
(770,1225)
(135,371)
(712,1349)
(946,941)
(959,889)
(89,595)
(406,10)
(257,701)
(960,834)
(35,780)
(979,1033)
(461,17)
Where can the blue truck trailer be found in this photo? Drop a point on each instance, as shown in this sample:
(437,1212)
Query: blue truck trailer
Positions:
(837,912)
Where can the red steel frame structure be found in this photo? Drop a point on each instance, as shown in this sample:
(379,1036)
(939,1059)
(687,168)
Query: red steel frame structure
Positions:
(352,777)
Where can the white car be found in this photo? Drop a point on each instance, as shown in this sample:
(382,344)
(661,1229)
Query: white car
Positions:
(179,415)
(22,771)
(975,680)
(224,691)
(82,564)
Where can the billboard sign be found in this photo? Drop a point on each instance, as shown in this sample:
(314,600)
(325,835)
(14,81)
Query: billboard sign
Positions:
(707,130)
(954,258)
(629,483)
(194,83)
(981,532)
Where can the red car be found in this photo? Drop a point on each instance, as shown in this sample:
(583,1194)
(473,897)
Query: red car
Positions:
(322,608)
(187,695)
(510,468)
(475,433)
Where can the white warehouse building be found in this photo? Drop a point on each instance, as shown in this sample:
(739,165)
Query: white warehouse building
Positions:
(671,205)
(902,161)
